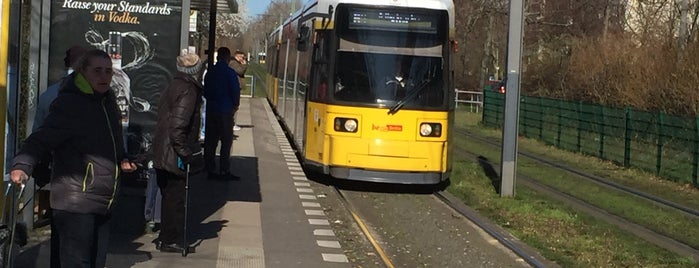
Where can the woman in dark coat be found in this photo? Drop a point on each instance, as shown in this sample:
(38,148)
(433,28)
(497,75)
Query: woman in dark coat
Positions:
(83,134)
(175,145)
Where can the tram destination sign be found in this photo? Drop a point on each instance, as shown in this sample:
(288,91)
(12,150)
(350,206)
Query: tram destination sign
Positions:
(392,20)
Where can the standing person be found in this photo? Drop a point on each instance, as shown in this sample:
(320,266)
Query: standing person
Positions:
(45,99)
(83,133)
(240,66)
(202,131)
(42,172)
(175,145)
(222,92)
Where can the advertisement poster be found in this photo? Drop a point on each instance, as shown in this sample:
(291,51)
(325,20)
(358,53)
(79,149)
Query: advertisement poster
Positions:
(143,39)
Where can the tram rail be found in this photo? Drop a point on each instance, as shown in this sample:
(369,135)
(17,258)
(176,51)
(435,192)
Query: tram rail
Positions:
(646,233)
(518,248)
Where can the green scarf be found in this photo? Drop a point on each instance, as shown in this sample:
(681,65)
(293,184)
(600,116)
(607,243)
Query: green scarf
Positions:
(82,84)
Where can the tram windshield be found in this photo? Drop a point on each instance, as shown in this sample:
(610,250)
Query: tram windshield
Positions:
(391,58)
(385,79)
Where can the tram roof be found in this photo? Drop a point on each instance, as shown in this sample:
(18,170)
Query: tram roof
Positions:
(222,6)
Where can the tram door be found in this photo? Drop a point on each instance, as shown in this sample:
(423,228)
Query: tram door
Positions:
(317,140)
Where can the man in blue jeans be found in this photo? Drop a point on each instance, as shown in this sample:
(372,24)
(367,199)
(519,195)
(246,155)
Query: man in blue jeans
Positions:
(222,93)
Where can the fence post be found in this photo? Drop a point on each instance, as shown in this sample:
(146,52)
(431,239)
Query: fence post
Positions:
(658,162)
(627,137)
(485,97)
(579,110)
(456,97)
(560,118)
(601,132)
(541,119)
(500,110)
(524,121)
(695,164)
(252,87)
(480,99)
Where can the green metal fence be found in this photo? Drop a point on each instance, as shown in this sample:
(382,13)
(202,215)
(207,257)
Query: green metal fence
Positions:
(655,142)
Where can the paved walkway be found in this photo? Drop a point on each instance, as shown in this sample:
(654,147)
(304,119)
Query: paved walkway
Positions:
(267,219)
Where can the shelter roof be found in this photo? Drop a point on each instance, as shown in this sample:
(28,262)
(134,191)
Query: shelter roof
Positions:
(222,6)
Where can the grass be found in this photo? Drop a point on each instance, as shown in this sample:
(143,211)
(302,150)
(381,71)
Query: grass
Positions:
(248,88)
(558,232)
(560,128)
(635,209)
(562,234)
(258,72)
(683,193)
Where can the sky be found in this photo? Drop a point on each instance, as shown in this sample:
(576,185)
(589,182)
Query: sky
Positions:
(257,6)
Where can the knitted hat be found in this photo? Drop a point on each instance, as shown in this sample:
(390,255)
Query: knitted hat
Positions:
(188,63)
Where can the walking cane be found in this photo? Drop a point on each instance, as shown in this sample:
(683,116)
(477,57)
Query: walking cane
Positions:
(185,245)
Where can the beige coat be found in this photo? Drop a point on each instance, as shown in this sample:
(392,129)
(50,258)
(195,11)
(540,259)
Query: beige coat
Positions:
(240,69)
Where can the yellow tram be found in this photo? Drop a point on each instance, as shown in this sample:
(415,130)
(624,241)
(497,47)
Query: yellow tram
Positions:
(365,87)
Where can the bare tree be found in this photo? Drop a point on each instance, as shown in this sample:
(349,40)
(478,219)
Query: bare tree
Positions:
(263,24)
(481,28)
(614,52)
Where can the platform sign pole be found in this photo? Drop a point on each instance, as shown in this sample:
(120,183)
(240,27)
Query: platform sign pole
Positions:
(510,128)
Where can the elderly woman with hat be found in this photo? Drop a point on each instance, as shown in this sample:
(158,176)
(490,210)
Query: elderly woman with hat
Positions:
(175,146)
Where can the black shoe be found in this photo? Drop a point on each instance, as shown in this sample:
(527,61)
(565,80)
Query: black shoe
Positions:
(175,248)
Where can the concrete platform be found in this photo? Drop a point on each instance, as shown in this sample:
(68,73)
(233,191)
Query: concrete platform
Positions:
(266,219)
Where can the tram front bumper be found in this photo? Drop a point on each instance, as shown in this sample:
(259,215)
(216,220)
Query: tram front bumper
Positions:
(388,176)
(387,155)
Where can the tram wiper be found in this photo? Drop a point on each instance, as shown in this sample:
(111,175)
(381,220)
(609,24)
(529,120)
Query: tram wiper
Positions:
(394,109)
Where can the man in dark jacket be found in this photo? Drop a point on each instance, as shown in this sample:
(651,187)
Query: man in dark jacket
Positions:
(222,93)
(175,145)
(83,134)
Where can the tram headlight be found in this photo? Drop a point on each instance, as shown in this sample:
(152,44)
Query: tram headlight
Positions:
(351,125)
(345,124)
(430,129)
(425,130)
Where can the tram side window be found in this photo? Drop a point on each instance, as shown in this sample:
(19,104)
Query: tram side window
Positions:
(320,67)
(272,61)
